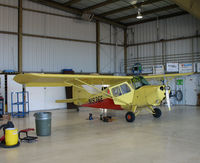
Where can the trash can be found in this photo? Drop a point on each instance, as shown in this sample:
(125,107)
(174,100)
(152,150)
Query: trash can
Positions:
(43,123)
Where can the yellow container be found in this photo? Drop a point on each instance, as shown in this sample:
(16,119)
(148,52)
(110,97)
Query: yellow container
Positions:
(11,136)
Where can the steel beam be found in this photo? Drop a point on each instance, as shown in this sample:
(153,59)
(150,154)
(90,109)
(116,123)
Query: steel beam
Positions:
(165,40)
(8,33)
(75,11)
(129,7)
(58,6)
(9,6)
(125,50)
(20,36)
(191,6)
(97,47)
(71,2)
(90,8)
(158,18)
(147,12)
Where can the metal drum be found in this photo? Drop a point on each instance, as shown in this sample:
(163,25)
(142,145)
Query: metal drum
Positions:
(43,123)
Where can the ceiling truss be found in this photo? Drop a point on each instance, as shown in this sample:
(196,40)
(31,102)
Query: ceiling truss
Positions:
(103,17)
(71,2)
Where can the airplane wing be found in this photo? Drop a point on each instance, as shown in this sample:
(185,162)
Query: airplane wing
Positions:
(65,80)
(52,80)
(166,75)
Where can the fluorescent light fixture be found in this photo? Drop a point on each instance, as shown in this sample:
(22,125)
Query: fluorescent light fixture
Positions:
(139,15)
(133,2)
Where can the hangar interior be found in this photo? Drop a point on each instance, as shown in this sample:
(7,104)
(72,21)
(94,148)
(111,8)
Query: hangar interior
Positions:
(108,38)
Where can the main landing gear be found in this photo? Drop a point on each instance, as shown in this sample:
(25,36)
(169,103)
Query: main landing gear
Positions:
(157,112)
(130,116)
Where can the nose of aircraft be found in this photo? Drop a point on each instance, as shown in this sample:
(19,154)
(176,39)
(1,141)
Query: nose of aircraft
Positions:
(161,88)
(164,88)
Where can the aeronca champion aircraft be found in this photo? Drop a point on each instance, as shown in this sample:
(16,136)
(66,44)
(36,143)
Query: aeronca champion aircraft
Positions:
(131,93)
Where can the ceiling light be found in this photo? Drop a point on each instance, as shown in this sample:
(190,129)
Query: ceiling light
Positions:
(133,2)
(139,15)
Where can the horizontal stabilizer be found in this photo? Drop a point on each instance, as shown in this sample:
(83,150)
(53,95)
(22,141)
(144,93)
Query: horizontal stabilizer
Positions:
(70,100)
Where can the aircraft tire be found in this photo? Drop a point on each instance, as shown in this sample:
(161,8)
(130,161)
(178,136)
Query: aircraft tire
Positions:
(158,113)
(130,116)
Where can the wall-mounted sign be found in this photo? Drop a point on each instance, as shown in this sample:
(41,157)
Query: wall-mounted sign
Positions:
(179,82)
(198,67)
(185,67)
(147,70)
(172,67)
(158,69)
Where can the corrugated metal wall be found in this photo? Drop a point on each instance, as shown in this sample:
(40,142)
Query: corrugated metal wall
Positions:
(47,55)
(49,25)
(8,52)
(171,28)
(10,2)
(111,56)
(8,19)
(110,59)
(53,55)
(8,43)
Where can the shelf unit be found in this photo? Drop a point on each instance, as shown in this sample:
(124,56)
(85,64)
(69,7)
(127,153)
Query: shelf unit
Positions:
(19,104)
(1,105)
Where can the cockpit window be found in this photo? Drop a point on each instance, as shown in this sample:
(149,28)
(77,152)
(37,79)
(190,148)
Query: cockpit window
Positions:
(116,91)
(120,90)
(125,88)
(139,81)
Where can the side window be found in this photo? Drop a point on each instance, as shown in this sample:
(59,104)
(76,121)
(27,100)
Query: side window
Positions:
(116,91)
(125,88)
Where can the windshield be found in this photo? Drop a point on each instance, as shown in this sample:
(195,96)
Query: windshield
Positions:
(139,81)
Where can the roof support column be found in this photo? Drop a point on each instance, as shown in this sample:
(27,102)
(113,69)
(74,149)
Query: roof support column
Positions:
(97,47)
(20,36)
(125,50)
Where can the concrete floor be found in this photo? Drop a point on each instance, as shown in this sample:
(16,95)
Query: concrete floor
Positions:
(175,137)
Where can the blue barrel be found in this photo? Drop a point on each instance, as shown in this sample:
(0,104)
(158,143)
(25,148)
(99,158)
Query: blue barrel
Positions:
(43,123)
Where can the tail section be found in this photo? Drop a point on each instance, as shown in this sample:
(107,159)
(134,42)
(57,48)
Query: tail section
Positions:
(79,96)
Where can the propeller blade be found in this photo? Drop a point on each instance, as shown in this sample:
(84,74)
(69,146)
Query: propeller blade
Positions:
(167,99)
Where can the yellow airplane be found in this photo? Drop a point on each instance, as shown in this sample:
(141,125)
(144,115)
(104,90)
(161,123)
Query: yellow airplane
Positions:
(131,93)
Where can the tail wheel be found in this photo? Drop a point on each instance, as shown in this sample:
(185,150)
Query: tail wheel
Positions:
(157,113)
(130,116)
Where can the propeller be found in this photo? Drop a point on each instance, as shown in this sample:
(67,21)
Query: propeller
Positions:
(167,91)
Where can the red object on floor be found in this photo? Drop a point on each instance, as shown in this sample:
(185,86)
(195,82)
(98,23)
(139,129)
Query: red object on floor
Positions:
(28,129)
(2,138)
